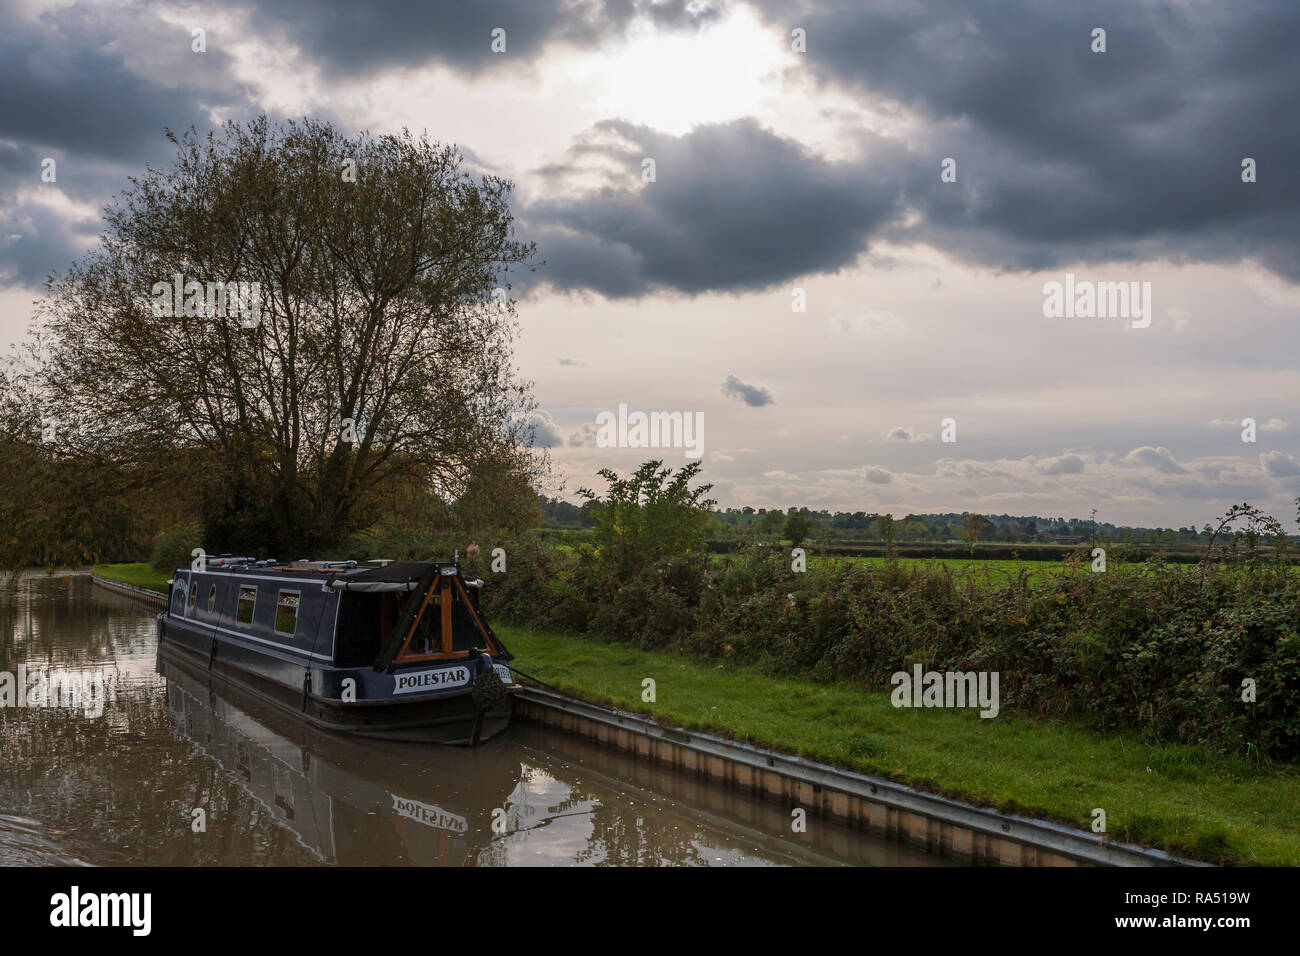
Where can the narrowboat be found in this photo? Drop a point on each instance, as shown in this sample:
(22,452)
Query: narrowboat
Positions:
(400,651)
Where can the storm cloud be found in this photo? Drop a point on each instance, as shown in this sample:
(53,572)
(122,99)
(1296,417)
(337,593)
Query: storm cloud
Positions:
(732,206)
(358,38)
(1062,155)
(91,88)
(1068,155)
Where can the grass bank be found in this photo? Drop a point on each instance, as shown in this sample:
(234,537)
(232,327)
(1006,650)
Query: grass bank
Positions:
(1181,798)
(141,575)
(1177,797)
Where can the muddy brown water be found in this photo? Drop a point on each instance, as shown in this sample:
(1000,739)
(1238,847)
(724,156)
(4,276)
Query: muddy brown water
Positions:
(179,770)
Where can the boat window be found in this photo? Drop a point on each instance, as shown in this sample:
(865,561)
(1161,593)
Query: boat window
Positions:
(212,597)
(286,612)
(425,639)
(247,601)
(178,597)
(194,592)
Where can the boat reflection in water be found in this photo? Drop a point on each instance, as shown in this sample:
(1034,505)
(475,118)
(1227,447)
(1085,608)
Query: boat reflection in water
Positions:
(347,800)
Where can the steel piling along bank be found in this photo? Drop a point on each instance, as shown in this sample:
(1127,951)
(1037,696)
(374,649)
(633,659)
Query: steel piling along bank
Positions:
(155,600)
(872,805)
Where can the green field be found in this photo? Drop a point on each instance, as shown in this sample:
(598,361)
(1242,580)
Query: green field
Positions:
(992,571)
(995,572)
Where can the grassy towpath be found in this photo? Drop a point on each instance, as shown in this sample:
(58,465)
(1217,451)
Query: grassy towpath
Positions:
(1180,798)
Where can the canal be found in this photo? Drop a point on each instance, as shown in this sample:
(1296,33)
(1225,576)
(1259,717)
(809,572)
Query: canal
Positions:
(166,768)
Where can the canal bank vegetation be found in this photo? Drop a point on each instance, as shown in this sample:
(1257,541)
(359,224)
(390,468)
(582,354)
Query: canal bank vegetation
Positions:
(1186,798)
(1114,675)
(1205,655)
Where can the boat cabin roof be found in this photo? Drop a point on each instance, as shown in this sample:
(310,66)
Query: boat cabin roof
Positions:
(344,575)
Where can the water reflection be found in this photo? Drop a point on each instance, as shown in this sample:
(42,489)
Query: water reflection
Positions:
(124,787)
(343,799)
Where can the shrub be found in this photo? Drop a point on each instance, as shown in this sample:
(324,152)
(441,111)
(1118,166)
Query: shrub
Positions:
(174,547)
(1158,648)
(1153,647)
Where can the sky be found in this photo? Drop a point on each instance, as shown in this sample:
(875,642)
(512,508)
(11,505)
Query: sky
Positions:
(844,238)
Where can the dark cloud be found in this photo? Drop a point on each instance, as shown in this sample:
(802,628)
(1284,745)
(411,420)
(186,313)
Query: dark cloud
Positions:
(65,83)
(733,206)
(753,395)
(68,93)
(1064,154)
(35,242)
(903,433)
(353,38)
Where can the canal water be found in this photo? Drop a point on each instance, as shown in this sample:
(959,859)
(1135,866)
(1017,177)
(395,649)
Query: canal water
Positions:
(165,767)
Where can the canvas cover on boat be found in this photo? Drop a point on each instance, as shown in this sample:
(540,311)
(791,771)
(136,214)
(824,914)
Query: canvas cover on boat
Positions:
(398,576)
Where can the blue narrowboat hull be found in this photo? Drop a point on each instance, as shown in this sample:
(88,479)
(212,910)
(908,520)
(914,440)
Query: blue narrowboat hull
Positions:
(304,643)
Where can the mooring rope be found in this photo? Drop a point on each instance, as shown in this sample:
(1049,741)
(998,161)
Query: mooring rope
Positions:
(535,680)
(306,671)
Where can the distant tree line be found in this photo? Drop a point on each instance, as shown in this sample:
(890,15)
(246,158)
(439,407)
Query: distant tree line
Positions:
(799,524)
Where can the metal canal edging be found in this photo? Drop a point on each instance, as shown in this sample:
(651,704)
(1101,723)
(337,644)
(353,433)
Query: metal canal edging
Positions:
(874,805)
(153,599)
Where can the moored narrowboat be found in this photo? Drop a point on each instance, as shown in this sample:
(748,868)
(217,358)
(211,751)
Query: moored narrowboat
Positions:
(401,651)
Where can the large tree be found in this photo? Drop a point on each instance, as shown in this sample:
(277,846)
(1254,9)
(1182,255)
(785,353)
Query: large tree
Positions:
(378,346)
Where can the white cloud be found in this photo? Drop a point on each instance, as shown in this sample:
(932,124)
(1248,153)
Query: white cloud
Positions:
(1160,459)
(1064,465)
(545,432)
